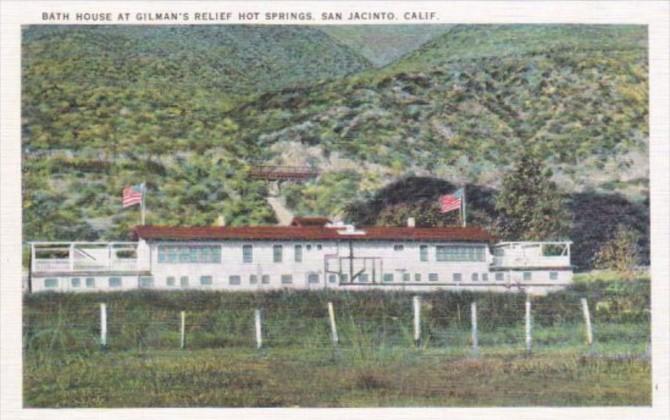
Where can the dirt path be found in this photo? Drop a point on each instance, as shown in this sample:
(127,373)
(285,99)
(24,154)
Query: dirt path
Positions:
(284,215)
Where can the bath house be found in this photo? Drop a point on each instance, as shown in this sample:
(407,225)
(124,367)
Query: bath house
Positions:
(310,253)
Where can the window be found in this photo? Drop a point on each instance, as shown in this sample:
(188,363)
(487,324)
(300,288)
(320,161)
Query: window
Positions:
(297,253)
(207,254)
(423,253)
(183,281)
(90,282)
(485,277)
(75,282)
(457,277)
(318,247)
(277,253)
(50,283)
(433,277)
(265,279)
(388,277)
(332,278)
(406,277)
(363,278)
(286,279)
(247,254)
(114,282)
(500,276)
(398,247)
(309,247)
(170,281)
(417,276)
(253,279)
(459,253)
(553,275)
(234,280)
(527,275)
(475,276)
(344,277)
(312,278)
(146,281)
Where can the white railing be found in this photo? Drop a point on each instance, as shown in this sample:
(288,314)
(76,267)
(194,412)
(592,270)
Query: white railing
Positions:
(72,257)
(535,261)
(532,254)
(51,265)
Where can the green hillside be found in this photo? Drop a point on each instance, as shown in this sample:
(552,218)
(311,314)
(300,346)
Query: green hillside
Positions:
(584,109)
(190,109)
(107,106)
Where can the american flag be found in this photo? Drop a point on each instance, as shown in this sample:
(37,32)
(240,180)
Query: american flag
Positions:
(451,202)
(133,195)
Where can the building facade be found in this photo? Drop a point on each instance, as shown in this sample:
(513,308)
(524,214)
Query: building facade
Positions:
(312,253)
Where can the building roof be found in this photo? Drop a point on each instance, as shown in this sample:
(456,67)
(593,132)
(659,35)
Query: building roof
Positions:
(310,221)
(312,233)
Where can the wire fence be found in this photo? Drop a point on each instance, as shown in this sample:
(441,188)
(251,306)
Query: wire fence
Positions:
(416,322)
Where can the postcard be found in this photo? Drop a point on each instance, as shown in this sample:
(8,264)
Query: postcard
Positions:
(298,208)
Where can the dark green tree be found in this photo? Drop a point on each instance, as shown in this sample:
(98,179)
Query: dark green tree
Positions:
(529,205)
(621,253)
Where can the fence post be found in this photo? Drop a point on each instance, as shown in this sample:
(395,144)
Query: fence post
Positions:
(182,331)
(103,325)
(259,334)
(587,321)
(333,326)
(475,343)
(528,326)
(416,303)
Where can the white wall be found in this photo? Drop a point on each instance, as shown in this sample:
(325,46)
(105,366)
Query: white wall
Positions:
(387,260)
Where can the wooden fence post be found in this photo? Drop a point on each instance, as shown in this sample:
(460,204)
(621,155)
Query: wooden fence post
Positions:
(333,326)
(416,303)
(587,321)
(182,331)
(528,326)
(473,312)
(259,333)
(103,325)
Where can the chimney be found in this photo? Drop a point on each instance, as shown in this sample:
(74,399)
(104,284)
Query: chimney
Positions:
(221,220)
(411,222)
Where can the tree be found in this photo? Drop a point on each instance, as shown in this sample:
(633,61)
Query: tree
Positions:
(620,253)
(529,205)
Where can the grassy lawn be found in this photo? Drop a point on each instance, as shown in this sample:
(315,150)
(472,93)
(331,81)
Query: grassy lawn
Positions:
(375,364)
(331,378)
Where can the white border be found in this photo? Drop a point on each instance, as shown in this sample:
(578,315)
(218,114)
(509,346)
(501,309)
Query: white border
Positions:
(655,14)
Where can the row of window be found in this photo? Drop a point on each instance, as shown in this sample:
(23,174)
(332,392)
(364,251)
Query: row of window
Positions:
(234,280)
(189,254)
(75,282)
(212,254)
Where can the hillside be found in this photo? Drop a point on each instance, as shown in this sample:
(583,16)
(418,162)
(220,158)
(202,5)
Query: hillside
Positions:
(105,109)
(111,105)
(584,109)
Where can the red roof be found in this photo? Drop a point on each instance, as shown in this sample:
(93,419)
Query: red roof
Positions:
(310,221)
(311,233)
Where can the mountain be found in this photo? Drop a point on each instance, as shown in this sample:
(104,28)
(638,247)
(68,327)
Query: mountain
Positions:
(190,110)
(384,44)
(464,114)
(230,59)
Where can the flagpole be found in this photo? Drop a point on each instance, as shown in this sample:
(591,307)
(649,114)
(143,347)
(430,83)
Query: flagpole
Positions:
(142,207)
(464,213)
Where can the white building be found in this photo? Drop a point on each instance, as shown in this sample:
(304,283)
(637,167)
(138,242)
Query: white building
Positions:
(312,253)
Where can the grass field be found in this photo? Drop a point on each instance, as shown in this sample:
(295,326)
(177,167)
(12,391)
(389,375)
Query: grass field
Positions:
(376,362)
